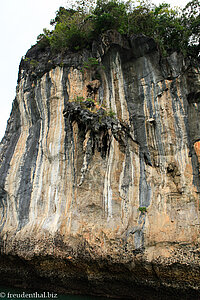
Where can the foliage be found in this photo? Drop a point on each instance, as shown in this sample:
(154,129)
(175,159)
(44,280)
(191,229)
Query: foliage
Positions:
(111,113)
(191,24)
(84,102)
(79,99)
(173,29)
(167,28)
(93,106)
(143,209)
(33,63)
(68,33)
(90,100)
(110,15)
(91,63)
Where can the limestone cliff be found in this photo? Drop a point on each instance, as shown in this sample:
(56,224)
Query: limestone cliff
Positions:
(99,177)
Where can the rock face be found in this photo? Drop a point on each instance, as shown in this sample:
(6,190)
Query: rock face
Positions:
(100,172)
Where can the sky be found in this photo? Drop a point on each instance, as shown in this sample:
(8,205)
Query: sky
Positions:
(21,22)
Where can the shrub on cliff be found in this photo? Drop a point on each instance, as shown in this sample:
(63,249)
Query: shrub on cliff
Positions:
(173,29)
(68,31)
(110,15)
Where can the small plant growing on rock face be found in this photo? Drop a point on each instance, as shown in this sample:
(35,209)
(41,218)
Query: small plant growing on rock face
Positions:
(111,113)
(143,209)
(79,99)
(33,63)
(91,63)
(93,106)
(90,100)
(89,103)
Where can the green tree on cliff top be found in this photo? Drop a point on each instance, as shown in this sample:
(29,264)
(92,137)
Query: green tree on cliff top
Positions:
(174,29)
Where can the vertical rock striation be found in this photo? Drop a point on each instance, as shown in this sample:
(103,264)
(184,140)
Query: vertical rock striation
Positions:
(102,196)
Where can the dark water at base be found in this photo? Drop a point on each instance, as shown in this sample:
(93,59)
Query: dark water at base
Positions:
(18,294)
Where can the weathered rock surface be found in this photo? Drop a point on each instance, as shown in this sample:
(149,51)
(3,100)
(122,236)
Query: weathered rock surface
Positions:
(93,202)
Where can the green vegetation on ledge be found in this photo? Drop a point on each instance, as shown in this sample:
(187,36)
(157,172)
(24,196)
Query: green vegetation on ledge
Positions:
(142,209)
(93,106)
(174,29)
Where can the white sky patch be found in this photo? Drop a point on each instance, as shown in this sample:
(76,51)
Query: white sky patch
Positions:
(21,22)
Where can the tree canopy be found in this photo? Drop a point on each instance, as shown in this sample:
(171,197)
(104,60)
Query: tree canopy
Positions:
(174,29)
